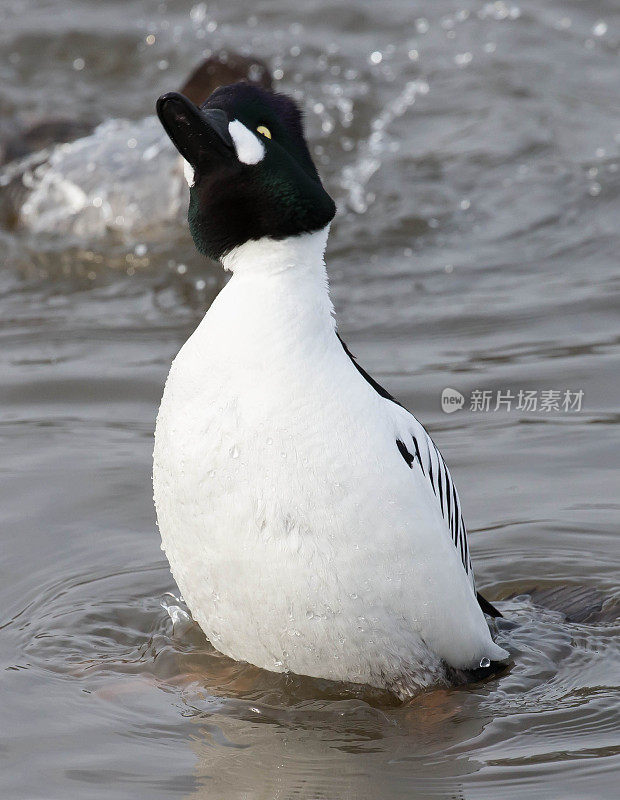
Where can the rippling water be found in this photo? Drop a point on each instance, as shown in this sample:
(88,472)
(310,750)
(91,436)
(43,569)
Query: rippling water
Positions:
(473,149)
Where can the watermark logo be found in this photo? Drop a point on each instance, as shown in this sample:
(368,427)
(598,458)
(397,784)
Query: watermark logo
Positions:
(544,401)
(451,400)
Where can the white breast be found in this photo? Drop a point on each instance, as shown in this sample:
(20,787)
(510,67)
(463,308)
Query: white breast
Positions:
(298,535)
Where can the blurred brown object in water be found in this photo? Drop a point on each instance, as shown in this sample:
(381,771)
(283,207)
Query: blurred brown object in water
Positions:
(41,135)
(217,70)
(221,70)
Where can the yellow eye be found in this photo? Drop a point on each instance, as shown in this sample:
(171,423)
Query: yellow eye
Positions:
(264,130)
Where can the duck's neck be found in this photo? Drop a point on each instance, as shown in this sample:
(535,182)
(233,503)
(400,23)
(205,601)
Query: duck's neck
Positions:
(266,257)
(282,284)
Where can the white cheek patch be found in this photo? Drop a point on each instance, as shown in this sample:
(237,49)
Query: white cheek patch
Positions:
(188,172)
(250,149)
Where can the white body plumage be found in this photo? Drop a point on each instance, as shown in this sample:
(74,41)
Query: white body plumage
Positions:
(299,537)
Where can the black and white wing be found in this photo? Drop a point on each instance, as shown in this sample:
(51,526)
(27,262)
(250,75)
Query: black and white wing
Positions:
(420,452)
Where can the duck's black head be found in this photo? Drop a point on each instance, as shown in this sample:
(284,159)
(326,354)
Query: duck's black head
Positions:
(253,176)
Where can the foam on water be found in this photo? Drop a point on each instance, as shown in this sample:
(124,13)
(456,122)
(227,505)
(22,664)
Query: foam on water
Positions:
(125,178)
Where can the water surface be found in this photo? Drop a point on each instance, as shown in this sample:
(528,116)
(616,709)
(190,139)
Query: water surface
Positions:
(473,150)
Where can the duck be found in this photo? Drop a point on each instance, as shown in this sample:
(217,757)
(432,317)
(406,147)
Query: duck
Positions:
(78,180)
(309,520)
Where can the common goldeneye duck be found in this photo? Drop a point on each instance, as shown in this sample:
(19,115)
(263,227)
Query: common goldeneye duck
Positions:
(309,520)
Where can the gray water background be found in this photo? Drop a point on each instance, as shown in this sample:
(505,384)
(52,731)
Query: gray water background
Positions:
(475,161)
